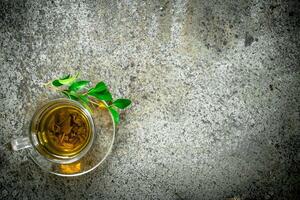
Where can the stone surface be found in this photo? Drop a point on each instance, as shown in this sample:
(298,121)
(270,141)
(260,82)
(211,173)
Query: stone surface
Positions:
(215,86)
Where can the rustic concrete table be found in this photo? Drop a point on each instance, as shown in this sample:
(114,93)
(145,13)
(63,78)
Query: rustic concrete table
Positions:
(215,86)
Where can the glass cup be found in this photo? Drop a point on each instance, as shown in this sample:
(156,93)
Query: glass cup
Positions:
(33,139)
(95,151)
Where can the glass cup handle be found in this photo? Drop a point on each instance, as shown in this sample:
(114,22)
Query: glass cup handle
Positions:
(20,143)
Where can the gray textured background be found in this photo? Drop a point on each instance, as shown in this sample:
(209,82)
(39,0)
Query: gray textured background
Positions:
(215,86)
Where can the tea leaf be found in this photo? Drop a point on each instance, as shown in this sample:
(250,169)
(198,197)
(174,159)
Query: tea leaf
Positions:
(66,93)
(100,87)
(84,98)
(65,77)
(122,103)
(78,85)
(105,95)
(56,83)
(73,97)
(115,115)
(71,94)
(68,79)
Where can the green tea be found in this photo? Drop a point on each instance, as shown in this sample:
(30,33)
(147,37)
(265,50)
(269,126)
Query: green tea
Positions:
(63,131)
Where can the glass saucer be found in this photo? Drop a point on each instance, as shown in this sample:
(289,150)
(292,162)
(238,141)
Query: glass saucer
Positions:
(100,149)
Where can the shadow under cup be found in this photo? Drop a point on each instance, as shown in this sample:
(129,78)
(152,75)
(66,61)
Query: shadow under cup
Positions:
(66,147)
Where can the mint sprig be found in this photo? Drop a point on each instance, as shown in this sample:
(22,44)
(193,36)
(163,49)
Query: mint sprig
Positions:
(78,90)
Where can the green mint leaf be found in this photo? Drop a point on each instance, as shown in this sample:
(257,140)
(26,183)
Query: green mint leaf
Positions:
(100,87)
(70,94)
(105,95)
(122,103)
(78,85)
(68,79)
(56,83)
(65,77)
(66,93)
(115,115)
(73,95)
(84,98)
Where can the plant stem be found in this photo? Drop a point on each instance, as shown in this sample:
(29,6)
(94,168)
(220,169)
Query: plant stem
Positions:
(93,102)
